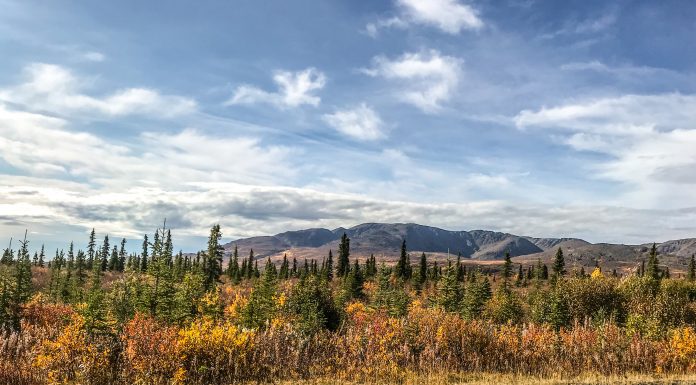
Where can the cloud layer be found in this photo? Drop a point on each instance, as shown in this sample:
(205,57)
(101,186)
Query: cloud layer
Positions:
(294,89)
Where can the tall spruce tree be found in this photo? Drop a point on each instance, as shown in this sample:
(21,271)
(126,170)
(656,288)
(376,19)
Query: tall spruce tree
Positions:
(402,265)
(343,256)
(213,265)
(691,272)
(104,255)
(91,249)
(422,272)
(329,267)
(507,269)
(449,290)
(144,255)
(653,267)
(559,264)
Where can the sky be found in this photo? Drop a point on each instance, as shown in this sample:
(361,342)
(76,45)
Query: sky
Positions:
(541,118)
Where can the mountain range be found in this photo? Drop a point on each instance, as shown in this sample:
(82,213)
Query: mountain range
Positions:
(474,246)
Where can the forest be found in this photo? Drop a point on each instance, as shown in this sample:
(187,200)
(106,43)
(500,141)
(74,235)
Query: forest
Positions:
(101,315)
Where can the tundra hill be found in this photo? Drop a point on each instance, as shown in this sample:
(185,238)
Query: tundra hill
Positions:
(384,240)
(476,247)
(624,258)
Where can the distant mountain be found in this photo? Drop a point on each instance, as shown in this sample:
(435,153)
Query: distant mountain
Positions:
(384,240)
(475,246)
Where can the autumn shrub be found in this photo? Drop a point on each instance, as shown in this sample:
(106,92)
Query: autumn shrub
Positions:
(213,352)
(149,351)
(74,357)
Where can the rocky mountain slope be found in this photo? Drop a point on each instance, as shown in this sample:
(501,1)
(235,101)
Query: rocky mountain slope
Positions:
(475,246)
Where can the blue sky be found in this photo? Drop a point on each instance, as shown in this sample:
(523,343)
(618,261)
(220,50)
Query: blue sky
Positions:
(545,118)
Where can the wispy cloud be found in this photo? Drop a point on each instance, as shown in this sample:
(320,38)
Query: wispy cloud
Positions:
(450,16)
(294,89)
(53,88)
(361,122)
(650,140)
(426,80)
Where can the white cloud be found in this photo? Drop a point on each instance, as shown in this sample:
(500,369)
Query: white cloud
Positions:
(45,146)
(294,89)
(361,122)
(54,88)
(94,56)
(649,141)
(427,79)
(449,16)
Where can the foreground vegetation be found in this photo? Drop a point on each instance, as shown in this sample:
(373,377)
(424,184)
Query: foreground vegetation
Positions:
(104,317)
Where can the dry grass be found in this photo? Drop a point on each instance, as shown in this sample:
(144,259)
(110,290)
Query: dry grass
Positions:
(501,379)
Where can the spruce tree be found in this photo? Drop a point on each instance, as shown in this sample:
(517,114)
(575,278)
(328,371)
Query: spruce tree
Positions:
(42,255)
(691,272)
(105,252)
(250,265)
(23,288)
(284,268)
(449,290)
(329,266)
(653,267)
(233,267)
(91,249)
(262,304)
(213,261)
(559,264)
(144,255)
(422,272)
(122,256)
(477,293)
(343,257)
(507,268)
(113,260)
(402,265)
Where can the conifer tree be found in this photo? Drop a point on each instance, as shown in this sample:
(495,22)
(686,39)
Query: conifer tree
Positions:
(144,255)
(329,266)
(23,288)
(507,268)
(284,268)
(477,293)
(402,265)
(262,305)
(294,272)
(270,268)
(42,255)
(691,271)
(310,301)
(422,272)
(91,249)
(449,290)
(95,311)
(80,273)
(559,264)
(113,260)
(343,257)
(353,284)
(104,255)
(233,267)
(250,265)
(213,261)
(122,256)
(653,268)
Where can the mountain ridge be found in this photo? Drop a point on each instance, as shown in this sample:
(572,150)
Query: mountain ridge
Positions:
(474,246)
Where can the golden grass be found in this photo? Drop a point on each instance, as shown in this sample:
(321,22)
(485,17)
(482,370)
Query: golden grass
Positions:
(502,379)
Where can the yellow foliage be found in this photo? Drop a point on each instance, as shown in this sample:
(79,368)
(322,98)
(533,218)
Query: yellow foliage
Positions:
(596,273)
(71,356)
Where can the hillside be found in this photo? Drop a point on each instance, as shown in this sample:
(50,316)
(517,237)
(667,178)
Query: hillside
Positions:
(475,246)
